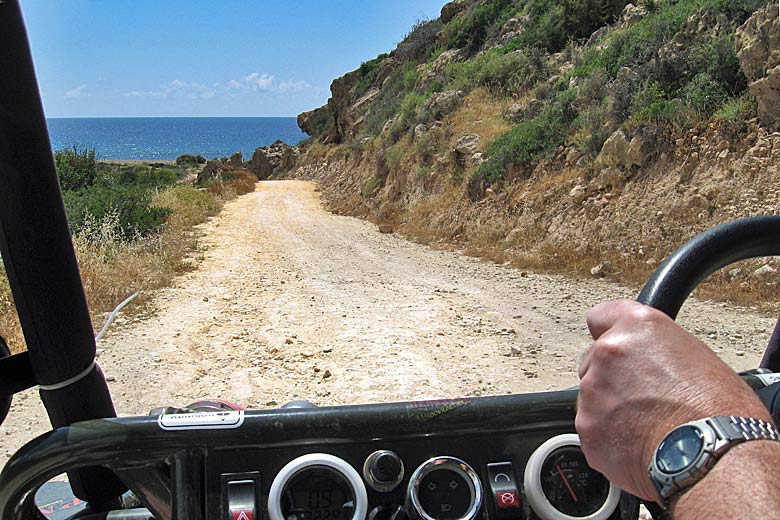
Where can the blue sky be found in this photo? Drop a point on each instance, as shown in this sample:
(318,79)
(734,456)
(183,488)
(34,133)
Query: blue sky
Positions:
(171,58)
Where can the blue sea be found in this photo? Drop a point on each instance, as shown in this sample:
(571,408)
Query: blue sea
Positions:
(166,138)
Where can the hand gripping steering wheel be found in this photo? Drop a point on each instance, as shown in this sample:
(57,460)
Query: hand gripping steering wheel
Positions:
(675,279)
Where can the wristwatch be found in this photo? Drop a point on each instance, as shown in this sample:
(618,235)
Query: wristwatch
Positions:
(689,451)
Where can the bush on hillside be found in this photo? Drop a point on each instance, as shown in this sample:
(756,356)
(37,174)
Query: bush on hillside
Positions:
(419,42)
(76,167)
(130,203)
(528,141)
(190,160)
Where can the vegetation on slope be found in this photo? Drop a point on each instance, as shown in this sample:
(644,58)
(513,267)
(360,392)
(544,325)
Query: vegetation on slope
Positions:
(498,133)
(132,227)
(586,74)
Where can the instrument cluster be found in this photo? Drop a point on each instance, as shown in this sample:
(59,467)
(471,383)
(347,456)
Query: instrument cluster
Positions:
(506,478)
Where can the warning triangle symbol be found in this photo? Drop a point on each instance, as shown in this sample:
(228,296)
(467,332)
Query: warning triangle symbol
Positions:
(242,516)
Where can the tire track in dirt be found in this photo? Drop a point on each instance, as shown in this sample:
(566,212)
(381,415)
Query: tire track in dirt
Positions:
(292,302)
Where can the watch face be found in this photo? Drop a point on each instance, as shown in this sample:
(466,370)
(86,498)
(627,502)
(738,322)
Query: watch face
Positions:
(679,449)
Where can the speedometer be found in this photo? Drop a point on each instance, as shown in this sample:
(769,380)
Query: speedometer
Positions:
(317,486)
(559,484)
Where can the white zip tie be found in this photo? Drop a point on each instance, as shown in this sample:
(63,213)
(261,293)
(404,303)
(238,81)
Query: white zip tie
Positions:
(68,382)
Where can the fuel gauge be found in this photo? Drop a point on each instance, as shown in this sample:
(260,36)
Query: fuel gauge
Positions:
(560,485)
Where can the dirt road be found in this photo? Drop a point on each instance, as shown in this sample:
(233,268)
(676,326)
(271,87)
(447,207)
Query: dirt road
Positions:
(293,302)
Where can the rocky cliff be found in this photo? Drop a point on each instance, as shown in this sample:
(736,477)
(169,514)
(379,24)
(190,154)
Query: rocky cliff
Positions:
(576,136)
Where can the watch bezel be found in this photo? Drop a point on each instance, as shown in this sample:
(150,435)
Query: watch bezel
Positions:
(668,484)
(661,453)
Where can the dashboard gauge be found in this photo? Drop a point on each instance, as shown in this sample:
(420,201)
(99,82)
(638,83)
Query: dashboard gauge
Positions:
(317,487)
(559,484)
(444,488)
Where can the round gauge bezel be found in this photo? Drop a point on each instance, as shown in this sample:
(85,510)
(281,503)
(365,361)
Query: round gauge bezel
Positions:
(454,464)
(311,461)
(533,483)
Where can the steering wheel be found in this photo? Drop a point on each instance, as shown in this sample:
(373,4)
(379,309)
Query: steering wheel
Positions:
(675,279)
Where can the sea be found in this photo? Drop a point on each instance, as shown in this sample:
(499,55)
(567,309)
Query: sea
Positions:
(166,138)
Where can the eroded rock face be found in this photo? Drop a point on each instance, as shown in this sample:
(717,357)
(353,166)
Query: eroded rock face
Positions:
(260,164)
(615,150)
(453,9)
(443,103)
(314,121)
(212,170)
(236,161)
(467,145)
(758,49)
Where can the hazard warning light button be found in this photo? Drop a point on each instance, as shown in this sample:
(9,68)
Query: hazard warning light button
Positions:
(241,500)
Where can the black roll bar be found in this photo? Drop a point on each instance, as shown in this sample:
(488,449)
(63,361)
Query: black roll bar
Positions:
(39,258)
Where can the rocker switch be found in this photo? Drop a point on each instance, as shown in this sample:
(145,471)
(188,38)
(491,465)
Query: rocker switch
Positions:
(241,500)
(503,488)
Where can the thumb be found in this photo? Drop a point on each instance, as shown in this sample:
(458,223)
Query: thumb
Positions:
(603,316)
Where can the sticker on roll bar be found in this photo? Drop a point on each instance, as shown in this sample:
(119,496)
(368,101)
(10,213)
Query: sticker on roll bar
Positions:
(202,420)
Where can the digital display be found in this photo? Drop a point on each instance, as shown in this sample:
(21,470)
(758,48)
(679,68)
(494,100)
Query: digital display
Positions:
(318,493)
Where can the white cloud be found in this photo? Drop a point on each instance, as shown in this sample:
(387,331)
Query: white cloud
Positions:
(176,89)
(253,82)
(257,81)
(75,92)
(293,86)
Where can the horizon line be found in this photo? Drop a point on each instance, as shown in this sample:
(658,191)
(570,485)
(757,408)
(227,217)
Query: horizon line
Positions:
(169,117)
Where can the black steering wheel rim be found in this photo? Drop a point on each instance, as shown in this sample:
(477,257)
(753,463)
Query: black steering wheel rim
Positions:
(678,275)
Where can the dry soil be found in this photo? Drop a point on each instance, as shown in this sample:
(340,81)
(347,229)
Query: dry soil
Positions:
(292,302)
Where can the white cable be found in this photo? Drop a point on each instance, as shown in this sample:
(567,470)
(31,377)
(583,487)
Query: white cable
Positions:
(113,315)
(85,372)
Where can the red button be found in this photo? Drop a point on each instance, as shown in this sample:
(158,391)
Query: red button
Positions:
(507,499)
(242,514)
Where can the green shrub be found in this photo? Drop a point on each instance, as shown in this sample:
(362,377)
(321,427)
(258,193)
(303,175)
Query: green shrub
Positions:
(502,73)
(370,187)
(530,140)
(594,126)
(737,109)
(423,171)
(408,114)
(130,203)
(395,154)
(718,58)
(76,168)
(472,28)
(368,72)
(419,42)
(430,143)
(142,176)
(553,24)
(410,76)
(190,160)
(704,94)
(652,107)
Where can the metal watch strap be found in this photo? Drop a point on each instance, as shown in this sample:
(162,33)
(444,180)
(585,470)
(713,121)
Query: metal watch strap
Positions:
(736,429)
(724,432)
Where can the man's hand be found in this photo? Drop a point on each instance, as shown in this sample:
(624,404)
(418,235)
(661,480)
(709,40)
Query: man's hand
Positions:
(642,377)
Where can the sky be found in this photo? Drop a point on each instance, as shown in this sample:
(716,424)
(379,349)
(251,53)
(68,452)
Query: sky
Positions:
(199,58)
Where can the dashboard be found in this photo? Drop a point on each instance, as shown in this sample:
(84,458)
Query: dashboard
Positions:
(512,457)
(531,471)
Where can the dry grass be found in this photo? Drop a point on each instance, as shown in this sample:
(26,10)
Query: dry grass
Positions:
(112,269)
(480,114)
